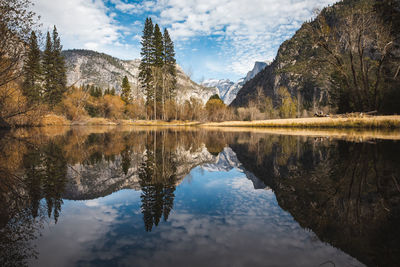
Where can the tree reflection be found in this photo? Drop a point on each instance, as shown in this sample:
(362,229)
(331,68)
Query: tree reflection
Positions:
(346,192)
(43,177)
(157,176)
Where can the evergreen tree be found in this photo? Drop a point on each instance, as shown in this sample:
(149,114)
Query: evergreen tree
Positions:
(145,75)
(47,66)
(32,71)
(126,90)
(59,67)
(169,64)
(158,79)
(54,70)
(158,47)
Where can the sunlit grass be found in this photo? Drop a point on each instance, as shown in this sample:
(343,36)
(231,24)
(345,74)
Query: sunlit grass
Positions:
(351,122)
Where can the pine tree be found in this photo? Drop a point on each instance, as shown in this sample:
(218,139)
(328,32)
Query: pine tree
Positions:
(158,57)
(59,68)
(32,72)
(126,90)
(47,66)
(158,47)
(145,75)
(54,70)
(169,65)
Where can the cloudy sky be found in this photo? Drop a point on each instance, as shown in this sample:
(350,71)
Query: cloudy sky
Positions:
(213,38)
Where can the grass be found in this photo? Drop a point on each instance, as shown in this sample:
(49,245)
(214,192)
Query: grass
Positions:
(54,120)
(94,121)
(372,122)
(160,123)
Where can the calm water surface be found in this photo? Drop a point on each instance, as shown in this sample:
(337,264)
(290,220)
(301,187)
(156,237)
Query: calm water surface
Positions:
(173,197)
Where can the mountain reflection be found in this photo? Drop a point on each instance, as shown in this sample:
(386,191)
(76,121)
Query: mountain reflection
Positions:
(347,193)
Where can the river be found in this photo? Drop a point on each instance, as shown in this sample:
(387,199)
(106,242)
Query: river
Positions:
(115,196)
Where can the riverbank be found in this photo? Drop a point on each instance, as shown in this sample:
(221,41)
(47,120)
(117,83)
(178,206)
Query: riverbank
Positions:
(57,120)
(369,122)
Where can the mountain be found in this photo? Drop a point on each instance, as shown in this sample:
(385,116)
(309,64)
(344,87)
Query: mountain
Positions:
(258,66)
(228,89)
(329,76)
(90,67)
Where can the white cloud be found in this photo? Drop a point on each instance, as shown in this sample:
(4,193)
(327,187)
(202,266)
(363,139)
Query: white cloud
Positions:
(252,28)
(81,23)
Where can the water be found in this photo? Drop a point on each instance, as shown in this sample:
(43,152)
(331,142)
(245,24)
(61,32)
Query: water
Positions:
(195,197)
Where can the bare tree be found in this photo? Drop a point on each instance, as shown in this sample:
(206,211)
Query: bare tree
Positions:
(357,48)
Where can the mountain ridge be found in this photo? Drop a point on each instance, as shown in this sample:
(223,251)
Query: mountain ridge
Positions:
(105,71)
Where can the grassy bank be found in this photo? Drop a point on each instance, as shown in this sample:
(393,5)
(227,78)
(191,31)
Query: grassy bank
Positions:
(373,122)
(58,120)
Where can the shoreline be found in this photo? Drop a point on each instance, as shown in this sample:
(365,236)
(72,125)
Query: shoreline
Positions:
(369,122)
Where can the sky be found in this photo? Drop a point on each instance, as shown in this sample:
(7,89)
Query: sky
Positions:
(214,39)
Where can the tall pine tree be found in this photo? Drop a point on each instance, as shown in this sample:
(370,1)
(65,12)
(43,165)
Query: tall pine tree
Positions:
(145,74)
(32,72)
(48,70)
(54,70)
(59,66)
(126,90)
(158,47)
(158,57)
(169,65)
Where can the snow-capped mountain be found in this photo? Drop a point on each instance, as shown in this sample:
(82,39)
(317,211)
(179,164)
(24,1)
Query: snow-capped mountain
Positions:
(227,90)
(90,67)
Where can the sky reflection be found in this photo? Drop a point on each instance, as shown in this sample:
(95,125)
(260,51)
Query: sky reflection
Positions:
(218,219)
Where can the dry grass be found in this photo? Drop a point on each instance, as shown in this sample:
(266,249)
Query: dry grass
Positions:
(161,123)
(94,121)
(54,120)
(373,122)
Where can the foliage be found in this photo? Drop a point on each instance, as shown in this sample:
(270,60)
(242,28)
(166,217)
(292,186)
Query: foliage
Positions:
(16,25)
(136,109)
(74,104)
(14,108)
(113,107)
(269,108)
(54,70)
(95,91)
(288,104)
(126,90)
(215,109)
(32,71)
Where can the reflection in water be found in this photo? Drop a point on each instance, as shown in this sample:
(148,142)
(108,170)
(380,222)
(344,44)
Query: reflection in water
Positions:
(347,193)
(157,176)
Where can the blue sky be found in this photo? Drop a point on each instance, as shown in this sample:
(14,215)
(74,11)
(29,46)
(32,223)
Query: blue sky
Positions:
(213,38)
